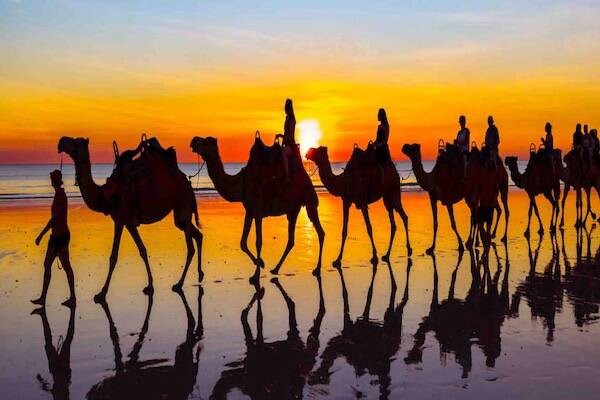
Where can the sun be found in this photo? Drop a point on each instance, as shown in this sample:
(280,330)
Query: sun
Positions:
(309,135)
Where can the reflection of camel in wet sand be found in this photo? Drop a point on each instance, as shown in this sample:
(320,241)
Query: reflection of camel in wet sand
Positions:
(458,324)
(575,174)
(59,357)
(150,379)
(260,188)
(275,370)
(543,291)
(144,192)
(539,178)
(360,184)
(446,183)
(368,345)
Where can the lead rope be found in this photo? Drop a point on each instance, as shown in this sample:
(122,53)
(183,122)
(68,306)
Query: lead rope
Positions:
(197,174)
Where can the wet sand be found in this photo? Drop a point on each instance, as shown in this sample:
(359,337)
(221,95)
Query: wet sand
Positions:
(523,326)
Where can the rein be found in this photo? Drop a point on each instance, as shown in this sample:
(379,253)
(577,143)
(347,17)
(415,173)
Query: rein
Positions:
(197,174)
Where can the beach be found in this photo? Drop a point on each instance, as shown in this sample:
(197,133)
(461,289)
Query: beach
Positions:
(513,335)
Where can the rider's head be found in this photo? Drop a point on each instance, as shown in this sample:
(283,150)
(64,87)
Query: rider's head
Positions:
(578,128)
(462,121)
(56,178)
(585,128)
(288,107)
(490,120)
(594,132)
(381,115)
(548,127)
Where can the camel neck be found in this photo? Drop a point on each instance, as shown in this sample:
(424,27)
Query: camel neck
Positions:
(517,177)
(89,190)
(424,179)
(333,183)
(230,187)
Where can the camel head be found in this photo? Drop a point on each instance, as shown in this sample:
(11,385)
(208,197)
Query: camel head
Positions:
(318,155)
(207,147)
(511,161)
(413,151)
(76,148)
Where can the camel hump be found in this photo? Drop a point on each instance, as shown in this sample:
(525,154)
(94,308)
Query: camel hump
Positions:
(151,157)
(261,154)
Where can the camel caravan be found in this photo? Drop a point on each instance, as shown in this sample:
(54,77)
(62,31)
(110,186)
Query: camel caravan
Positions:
(147,184)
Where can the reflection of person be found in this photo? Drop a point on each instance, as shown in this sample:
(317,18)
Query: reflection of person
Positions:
(58,245)
(463,138)
(492,139)
(59,358)
(381,141)
(289,140)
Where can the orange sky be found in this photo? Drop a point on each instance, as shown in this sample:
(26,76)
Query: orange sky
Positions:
(175,79)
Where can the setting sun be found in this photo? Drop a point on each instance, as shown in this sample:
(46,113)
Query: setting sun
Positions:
(309,134)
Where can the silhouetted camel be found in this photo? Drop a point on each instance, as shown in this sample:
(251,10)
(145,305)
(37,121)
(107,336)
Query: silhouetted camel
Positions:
(273,370)
(59,357)
(447,183)
(543,291)
(133,198)
(367,345)
(540,177)
(360,184)
(457,324)
(580,176)
(152,379)
(261,189)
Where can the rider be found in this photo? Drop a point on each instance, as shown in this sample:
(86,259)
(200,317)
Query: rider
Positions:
(289,141)
(586,144)
(595,143)
(382,152)
(58,245)
(548,143)
(462,141)
(492,140)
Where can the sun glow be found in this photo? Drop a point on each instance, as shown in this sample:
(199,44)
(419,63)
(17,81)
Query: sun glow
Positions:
(309,135)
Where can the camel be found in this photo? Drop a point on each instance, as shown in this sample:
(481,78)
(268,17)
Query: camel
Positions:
(447,185)
(153,378)
(367,345)
(361,185)
(261,189)
(540,177)
(277,369)
(573,176)
(131,201)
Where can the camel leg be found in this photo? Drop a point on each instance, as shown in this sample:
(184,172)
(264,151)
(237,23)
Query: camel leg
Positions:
(526,233)
(244,239)
(365,213)
(498,215)
(313,215)
(433,202)
(258,227)
(190,254)
(114,255)
(537,214)
(504,198)
(589,206)
(292,217)
(404,217)
(453,223)
(144,254)
(469,242)
(577,208)
(386,256)
(564,200)
(554,210)
(338,261)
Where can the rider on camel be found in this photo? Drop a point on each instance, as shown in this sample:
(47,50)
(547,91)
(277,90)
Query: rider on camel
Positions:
(548,143)
(492,140)
(463,138)
(382,152)
(289,140)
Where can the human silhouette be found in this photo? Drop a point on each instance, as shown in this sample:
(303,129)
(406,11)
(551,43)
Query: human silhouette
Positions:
(548,140)
(368,345)
(463,140)
(58,244)
(382,151)
(289,137)
(492,140)
(59,357)
(153,378)
(273,370)
(144,192)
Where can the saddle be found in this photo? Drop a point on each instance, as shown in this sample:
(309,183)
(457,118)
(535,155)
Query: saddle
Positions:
(129,169)
(270,157)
